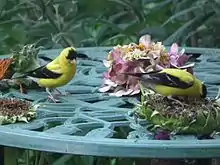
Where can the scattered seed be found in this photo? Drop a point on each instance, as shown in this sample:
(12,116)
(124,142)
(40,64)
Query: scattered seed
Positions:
(170,108)
(14,107)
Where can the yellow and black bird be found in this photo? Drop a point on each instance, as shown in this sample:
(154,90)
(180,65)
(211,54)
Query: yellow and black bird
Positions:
(57,73)
(172,82)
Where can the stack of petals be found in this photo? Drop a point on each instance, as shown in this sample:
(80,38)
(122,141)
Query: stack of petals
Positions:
(135,58)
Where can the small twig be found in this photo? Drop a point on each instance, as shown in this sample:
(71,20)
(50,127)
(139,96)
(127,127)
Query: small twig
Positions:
(42,158)
(37,153)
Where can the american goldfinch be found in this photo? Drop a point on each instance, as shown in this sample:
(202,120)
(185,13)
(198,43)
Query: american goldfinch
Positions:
(172,82)
(57,73)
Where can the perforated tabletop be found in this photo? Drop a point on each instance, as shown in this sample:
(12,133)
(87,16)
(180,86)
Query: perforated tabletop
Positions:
(91,123)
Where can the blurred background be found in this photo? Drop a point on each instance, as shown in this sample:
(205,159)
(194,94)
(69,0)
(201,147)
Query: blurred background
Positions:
(90,23)
(85,23)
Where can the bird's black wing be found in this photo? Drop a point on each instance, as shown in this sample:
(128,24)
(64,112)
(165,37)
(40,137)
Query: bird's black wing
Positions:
(43,72)
(166,80)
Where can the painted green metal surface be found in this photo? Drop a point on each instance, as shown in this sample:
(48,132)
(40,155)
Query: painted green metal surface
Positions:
(90,123)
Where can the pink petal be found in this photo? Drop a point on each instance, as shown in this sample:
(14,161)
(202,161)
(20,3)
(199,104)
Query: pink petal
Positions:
(121,93)
(118,66)
(117,94)
(173,60)
(109,82)
(128,66)
(174,48)
(191,65)
(106,63)
(120,79)
(128,92)
(104,89)
(114,69)
(182,51)
(132,82)
(116,55)
(145,40)
(118,51)
(182,60)
(159,67)
(135,92)
(106,75)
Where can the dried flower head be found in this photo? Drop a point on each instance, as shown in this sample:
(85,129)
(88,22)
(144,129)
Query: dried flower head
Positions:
(13,110)
(143,57)
(195,117)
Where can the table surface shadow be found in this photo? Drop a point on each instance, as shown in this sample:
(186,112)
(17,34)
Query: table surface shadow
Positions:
(91,123)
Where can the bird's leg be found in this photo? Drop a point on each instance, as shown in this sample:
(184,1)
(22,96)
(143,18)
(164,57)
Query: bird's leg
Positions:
(51,96)
(21,88)
(60,93)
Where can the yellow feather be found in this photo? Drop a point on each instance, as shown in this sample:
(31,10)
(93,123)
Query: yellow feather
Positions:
(54,67)
(60,65)
(182,74)
(197,88)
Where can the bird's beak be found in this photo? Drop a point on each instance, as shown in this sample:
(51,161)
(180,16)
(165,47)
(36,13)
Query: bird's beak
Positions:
(73,61)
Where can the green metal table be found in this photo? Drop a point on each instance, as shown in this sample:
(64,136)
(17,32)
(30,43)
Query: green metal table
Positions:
(87,122)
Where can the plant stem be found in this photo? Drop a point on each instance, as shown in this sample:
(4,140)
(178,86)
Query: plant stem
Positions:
(42,158)
(47,12)
(193,38)
(27,157)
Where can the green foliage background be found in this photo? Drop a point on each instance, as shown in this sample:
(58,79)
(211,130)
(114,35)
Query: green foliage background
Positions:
(83,23)
(60,23)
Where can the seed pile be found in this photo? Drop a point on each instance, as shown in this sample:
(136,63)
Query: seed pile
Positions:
(10,107)
(173,109)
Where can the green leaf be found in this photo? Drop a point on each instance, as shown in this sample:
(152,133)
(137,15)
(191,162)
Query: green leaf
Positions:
(154,113)
(2,4)
(194,32)
(210,121)
(183,30)
(10,22)
(184,4)
(200,120)
(120,2)
(156,32)
(215,6)
(183,12)
(18,34)
(117,16)
(111,25)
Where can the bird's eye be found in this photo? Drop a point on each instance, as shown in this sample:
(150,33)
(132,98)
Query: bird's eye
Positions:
(72,54)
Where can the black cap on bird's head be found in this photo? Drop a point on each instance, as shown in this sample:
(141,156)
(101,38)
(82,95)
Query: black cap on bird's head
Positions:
(72,54)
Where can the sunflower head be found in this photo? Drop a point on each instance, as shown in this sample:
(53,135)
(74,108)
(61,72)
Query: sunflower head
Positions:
(196,117)
(13,110)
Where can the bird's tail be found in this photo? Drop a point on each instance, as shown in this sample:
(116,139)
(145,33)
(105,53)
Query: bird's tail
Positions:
(139,74)
(18,77)
(144,78)
(133,74)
